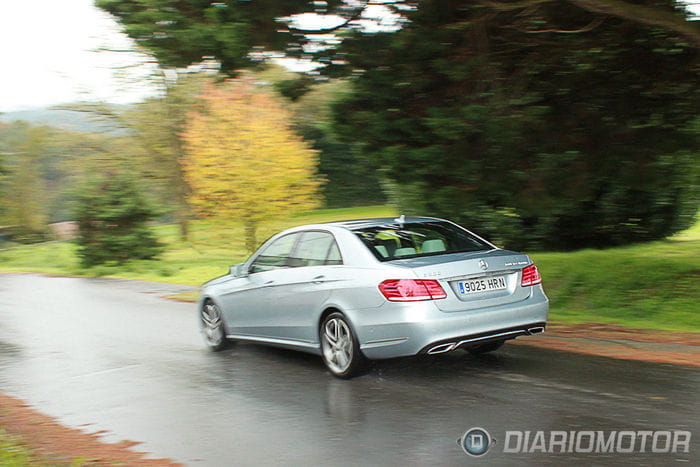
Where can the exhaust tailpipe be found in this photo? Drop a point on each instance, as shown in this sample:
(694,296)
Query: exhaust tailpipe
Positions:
(442,348)
(536,330)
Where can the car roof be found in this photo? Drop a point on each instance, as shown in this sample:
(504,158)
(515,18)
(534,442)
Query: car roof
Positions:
(357,224)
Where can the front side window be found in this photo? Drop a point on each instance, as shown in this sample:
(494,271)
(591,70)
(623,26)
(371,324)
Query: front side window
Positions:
(315,248)
(412,240)
(275,255)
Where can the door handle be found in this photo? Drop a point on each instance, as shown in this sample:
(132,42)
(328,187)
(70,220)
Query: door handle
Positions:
(268,283)
(318,279)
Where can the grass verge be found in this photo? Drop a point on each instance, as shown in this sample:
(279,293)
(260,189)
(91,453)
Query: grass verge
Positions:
(13,453)
(651,285)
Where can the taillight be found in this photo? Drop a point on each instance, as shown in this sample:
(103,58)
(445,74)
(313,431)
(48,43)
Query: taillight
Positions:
(531,276)
(411,290)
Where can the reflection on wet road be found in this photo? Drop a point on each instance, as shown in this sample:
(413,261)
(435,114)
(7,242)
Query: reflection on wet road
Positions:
(111,355)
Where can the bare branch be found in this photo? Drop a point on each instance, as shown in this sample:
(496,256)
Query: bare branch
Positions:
(650,16)
(645,15)
(593,24)
(509,6)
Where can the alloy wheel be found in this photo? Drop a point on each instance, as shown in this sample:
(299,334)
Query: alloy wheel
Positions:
(213,326)
(337,345)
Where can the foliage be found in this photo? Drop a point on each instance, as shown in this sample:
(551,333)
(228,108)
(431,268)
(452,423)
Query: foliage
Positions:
(243,160)
(537,140)
(351,179)
(4,171)
(181,33)
(113,218)
(41,167)
(558,124)
(24,197)
(156,125)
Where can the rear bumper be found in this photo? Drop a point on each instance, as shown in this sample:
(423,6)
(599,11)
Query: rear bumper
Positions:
(404,329)
(482,338)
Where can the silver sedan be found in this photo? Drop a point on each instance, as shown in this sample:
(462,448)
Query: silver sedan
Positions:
(375,288)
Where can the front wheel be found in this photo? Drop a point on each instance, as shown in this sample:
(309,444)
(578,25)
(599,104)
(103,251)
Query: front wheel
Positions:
(213,328)
(339,347)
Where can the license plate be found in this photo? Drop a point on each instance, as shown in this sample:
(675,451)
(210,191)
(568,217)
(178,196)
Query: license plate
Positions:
(487,284)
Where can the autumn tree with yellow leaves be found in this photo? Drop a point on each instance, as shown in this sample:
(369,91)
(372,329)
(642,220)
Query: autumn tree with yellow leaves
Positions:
(243,162)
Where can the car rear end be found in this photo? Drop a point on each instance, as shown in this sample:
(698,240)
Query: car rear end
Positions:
(436,299)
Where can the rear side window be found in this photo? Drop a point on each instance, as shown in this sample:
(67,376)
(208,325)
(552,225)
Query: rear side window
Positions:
(315,248)
(412,240)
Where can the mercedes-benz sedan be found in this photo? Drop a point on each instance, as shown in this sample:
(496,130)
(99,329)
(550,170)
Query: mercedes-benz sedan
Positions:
(373,289)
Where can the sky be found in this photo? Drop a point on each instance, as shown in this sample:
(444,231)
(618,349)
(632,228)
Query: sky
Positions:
(48,55)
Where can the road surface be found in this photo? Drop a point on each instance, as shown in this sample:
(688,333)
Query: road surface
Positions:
(112,355)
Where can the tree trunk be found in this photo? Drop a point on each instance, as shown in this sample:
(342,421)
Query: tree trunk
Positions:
(183,222)
(251,241)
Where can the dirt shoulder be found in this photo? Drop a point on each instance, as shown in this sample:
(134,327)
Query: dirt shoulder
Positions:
(60,445)
(609,340)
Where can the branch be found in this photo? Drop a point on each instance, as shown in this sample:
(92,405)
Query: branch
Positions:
(650,16)
(645,15)
(509,6)
(593,24)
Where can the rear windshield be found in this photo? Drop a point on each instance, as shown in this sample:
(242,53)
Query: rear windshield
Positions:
(394,241)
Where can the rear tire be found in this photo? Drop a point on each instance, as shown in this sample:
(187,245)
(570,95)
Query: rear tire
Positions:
(213,328)
(340,350)
(485,348)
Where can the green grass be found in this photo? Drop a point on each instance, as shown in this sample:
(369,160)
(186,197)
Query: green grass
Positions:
(13,453)
(652,285)
(212,249)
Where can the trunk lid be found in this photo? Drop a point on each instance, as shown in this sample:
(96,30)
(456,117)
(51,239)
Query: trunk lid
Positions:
(475,279)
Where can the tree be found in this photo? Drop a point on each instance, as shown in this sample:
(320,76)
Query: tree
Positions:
(113,219)
(182,33)
(558,124)
(243,161)
(157,125)
(350,178)
(546,139)
(24,198)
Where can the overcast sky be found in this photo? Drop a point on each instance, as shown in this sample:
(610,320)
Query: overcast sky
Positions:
(48,57)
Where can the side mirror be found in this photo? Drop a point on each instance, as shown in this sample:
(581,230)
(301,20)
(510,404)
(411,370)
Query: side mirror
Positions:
(238,270)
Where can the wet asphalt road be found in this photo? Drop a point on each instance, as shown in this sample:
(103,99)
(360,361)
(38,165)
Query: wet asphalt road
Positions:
(112,355)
